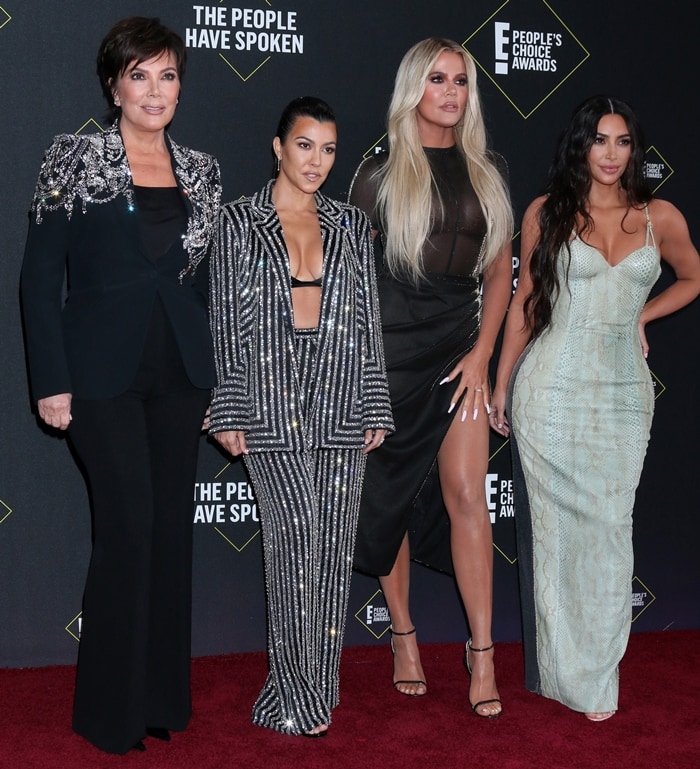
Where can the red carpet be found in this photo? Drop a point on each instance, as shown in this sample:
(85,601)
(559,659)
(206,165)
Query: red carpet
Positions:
(657,727)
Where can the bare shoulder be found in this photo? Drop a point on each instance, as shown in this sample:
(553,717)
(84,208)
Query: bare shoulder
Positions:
(664,216)
(531,216)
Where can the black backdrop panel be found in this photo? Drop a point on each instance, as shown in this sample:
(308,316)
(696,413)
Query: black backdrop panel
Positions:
(536,60)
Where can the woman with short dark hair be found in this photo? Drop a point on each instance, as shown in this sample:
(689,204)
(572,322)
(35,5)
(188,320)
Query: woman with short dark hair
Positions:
(125,366)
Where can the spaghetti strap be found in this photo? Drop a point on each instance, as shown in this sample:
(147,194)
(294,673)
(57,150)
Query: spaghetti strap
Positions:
(650,229)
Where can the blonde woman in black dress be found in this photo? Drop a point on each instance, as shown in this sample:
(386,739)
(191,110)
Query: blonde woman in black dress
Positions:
(440,204)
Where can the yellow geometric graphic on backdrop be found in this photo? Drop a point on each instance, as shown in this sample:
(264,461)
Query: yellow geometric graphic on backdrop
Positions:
(661,389)
(5,511)
(372,149)
(237,548)
(233,544)
(510,560)
(526,112)
(247,77)
(73,627)
(641,600)
(657,169)
(383,621)
(244,78)
(5,17)
(90,122)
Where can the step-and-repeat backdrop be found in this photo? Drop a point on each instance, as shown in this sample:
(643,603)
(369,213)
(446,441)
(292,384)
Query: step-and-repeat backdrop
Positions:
(536,60)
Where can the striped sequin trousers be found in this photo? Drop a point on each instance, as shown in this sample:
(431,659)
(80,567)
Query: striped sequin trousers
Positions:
(308,504)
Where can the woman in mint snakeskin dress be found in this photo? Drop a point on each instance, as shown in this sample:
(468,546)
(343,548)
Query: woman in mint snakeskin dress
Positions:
(582,400)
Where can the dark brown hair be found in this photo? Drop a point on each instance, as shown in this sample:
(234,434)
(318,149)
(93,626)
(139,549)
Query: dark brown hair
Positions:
(565,209)
(135,39)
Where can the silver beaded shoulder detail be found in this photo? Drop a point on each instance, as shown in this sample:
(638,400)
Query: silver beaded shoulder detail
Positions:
(94,169)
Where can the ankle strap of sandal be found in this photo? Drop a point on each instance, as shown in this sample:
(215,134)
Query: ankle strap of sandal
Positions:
(484,649)
(396,632)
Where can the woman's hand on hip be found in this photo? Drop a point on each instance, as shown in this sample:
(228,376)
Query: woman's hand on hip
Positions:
(55,410)
(641,327)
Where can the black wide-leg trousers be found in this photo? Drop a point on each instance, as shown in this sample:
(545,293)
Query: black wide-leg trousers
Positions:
(139,452)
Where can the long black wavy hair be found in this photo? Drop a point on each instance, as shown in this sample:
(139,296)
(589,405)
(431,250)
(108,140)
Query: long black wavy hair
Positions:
(564,209)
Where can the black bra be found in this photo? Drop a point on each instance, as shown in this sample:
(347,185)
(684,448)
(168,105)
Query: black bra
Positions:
(296,283)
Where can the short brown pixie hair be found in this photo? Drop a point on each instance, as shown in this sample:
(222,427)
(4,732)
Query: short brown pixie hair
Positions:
(135,39)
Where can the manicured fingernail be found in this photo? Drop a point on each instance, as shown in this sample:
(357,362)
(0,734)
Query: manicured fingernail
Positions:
(442,381)
(476,413)
(452,405)
(464,415)
(488,409)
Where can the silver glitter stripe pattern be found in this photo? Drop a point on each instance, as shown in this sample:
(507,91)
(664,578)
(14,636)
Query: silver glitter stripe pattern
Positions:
(93,169)
(308,503)
(253,329)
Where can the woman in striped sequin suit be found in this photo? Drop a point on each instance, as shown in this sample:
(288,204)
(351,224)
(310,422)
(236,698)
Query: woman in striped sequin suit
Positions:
(302,394)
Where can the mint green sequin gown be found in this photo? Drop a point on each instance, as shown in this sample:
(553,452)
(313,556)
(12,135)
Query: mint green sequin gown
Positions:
(581,408)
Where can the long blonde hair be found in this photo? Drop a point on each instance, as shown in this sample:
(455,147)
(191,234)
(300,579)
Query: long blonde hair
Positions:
(405,181)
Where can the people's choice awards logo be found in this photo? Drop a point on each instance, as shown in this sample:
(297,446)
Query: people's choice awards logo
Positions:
(656,170)
(373,615)
(642,598)
(527,51)
(245,38)
(500,502)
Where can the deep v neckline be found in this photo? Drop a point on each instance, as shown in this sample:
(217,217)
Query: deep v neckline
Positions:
(649,234)
(602,256)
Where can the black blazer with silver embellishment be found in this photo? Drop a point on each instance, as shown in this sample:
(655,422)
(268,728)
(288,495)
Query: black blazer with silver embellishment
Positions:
(253,329)
(84,229)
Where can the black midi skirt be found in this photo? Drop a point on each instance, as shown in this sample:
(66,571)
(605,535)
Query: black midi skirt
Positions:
(427,329)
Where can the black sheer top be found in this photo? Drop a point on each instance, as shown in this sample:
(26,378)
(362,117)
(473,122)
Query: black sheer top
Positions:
(458,224)
(162,216)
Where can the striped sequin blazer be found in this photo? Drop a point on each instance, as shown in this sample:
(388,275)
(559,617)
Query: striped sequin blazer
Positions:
(253,331)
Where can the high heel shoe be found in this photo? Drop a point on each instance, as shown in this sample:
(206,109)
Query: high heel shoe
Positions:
(479,704)
(409,683)
(315,735)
